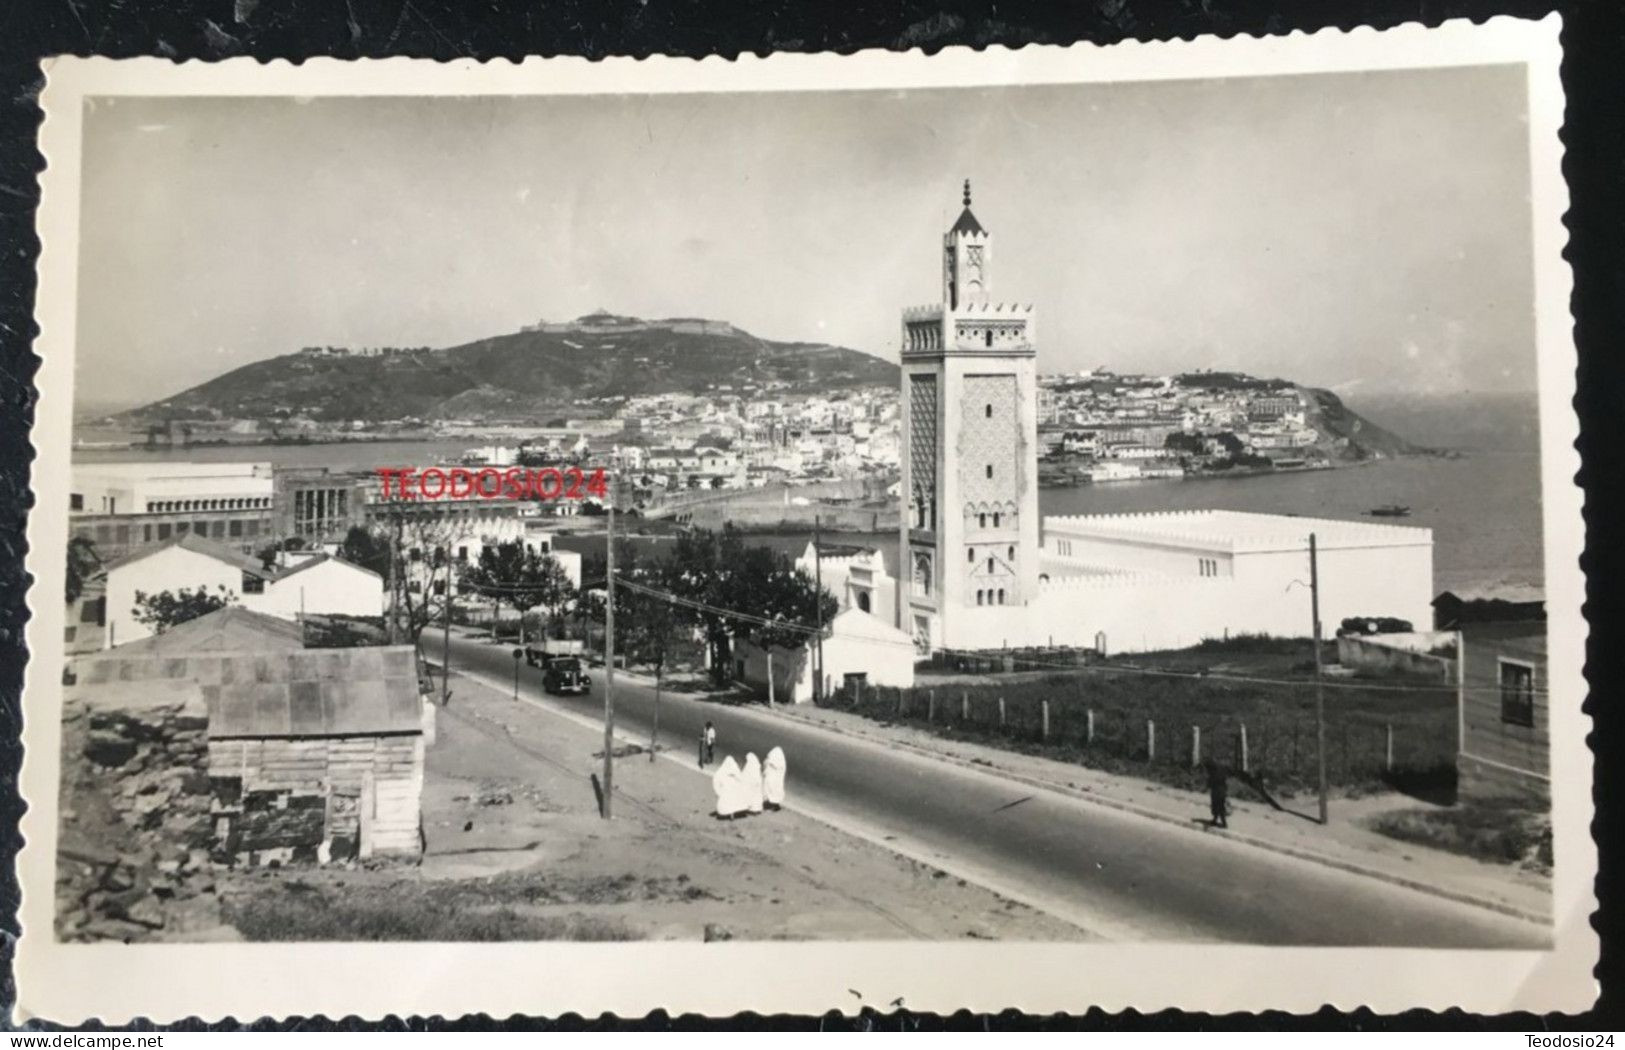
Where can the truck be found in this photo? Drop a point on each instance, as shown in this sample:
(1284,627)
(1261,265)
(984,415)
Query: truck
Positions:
(562,661)
(539,652)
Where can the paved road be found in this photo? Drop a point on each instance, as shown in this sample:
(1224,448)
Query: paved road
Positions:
(1119,875)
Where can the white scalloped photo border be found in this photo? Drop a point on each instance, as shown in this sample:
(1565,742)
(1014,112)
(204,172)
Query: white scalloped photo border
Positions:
(70,983)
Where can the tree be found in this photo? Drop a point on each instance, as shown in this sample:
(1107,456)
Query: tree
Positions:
(702,563)
(1179,441)
(83,562)
(719,570)
(367,548)
(268,553)
(165,609)
(512,572)
(418,540)
(768,586)
(653,627)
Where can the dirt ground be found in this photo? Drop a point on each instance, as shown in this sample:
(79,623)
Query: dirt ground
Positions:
(517,850)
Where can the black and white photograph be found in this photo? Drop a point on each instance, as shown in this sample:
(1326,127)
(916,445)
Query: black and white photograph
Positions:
(749,516)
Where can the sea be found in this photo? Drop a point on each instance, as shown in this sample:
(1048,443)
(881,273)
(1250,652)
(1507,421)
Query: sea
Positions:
(1483,505)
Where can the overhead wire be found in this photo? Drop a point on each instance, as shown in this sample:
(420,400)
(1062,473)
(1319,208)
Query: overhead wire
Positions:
(1029,662)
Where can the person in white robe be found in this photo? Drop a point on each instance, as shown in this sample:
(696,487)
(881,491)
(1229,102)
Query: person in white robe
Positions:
(730,790)
(773,779)
(752,774)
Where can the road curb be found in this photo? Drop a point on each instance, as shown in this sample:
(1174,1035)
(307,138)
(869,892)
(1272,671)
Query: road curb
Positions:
(1312,856)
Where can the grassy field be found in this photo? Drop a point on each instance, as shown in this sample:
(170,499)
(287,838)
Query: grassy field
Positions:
(515,907)
(1500,832)
(1198,703)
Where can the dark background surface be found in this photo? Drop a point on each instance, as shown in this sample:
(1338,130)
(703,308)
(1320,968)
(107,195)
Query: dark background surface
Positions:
(1594,138)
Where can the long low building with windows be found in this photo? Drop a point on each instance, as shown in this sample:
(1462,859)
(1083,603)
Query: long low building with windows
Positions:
(1161,580)
(1138,582)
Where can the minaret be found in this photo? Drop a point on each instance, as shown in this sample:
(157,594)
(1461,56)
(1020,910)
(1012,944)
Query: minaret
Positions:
(966,256)
(969,489)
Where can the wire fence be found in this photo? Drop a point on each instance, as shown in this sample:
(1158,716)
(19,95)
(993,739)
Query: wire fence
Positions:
(1168,729)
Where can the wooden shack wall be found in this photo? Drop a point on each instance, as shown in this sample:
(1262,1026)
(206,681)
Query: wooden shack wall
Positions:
(337,765)
(1500,759)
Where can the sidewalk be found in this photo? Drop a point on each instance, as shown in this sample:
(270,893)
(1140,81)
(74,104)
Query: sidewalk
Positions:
(1345,843)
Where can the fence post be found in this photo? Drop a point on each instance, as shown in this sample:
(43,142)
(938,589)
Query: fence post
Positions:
(1196,746)
(931,706)
(964,707)
(1388,749)
(1150,740)
(1001,714)
(1088,725)
(902,701)
(1242,741)
(1043,720)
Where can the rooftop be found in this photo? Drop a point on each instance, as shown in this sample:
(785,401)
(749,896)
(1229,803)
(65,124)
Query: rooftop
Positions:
(231,628)
(967,224)
(286,693)
(198,545)
(1237,531)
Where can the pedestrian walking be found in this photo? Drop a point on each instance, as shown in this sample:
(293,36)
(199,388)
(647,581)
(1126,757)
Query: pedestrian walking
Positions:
(751,775)
(773,779)
(710,743)
(1218,793)
(729,786)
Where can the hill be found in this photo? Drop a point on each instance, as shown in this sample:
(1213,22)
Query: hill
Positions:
(541,370)
(1365,439)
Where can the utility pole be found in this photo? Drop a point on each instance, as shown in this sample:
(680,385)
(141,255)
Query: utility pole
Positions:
(445,638)
(395,581)
(1320,690)
(818,607)
(609,661)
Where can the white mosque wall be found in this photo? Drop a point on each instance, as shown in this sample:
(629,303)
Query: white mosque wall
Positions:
(1268,593)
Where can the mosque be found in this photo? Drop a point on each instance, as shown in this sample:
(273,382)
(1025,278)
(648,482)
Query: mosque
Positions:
(980,570)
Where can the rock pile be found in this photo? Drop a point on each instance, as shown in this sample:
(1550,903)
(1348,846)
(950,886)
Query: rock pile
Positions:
(135,836)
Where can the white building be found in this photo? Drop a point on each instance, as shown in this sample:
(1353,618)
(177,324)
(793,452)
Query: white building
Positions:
(148,487)
(319,585)
(858,647)
(1154,581)
(856,576)
(186,563)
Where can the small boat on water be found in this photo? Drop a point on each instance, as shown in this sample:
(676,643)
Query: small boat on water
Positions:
(1390,510)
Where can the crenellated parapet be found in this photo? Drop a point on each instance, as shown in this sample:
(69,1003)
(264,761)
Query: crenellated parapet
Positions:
(1003,327)
(1232,532)
(1076,580)
(994,311)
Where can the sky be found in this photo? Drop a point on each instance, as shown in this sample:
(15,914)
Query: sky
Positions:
(1368,232)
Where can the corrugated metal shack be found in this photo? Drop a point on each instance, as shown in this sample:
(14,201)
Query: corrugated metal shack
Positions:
(312,754)
(319,749)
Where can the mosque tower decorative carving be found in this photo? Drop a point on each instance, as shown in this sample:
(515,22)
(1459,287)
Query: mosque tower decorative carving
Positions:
(969,535)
